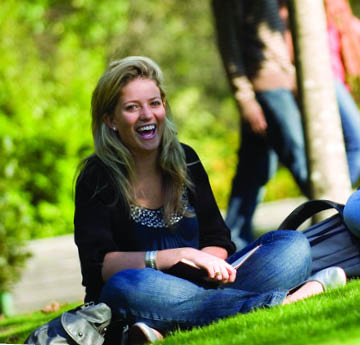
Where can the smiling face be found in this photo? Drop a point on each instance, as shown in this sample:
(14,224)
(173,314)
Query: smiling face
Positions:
(139,116)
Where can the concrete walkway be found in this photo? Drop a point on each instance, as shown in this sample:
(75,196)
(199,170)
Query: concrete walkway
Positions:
(53,273)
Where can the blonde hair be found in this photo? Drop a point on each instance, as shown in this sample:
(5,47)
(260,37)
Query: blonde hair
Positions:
(116,156)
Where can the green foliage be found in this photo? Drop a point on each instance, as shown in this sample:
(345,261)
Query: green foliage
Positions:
(52,59)
(281,186)
(13,220)
(355,5)
(214,142)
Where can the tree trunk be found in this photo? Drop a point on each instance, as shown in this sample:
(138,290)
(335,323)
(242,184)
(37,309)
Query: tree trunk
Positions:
(327,164)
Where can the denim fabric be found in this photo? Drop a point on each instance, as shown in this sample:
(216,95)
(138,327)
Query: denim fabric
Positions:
(350,120)
(166,302)
(258,156)
(352,213)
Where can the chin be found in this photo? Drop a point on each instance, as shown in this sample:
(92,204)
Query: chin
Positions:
(149,147)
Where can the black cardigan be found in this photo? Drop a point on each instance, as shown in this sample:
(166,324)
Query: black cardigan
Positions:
(102,226)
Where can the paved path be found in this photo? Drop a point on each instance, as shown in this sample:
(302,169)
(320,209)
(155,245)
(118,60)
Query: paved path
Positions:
(53,273)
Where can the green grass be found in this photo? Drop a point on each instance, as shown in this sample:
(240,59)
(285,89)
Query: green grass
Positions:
(331,318)
(14,330)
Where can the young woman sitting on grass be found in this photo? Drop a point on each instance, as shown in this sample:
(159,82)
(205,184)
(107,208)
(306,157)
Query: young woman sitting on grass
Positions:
(143,202)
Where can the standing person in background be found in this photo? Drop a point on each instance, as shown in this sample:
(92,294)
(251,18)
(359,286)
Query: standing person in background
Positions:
(343,30)
(262,78)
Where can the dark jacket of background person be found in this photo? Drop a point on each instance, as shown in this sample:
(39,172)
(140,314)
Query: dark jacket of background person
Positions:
(101,224)
(259,55)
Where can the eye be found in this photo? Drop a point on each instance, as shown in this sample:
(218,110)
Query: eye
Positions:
(156,103)
(131,107)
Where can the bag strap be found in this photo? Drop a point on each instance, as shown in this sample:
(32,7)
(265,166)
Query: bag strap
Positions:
(306,211)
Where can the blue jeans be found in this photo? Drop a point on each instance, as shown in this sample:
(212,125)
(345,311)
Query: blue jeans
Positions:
(352,213)
(350,120)
(258,156)
(166,302)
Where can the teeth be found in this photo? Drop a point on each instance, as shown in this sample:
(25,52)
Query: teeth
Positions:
(146,128)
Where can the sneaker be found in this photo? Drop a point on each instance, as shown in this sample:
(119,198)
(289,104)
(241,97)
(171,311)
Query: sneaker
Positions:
(331,277)
(140,333)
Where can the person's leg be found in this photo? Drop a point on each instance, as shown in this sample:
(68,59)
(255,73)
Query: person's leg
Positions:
(165,302)
(327,278)
(254,168)
(155,302)
(350,120)
(285,132)
(283,261)
(309,289)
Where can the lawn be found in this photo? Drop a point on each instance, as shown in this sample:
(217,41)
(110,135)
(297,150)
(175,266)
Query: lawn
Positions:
(331,318)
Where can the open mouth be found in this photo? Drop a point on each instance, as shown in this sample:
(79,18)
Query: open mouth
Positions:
(147,132)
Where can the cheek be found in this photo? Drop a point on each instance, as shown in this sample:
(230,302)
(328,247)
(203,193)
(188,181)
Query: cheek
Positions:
(126,121)
(125,129)
(162,114)
(161,123)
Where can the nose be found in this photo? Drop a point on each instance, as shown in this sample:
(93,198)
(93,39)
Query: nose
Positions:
(146,113)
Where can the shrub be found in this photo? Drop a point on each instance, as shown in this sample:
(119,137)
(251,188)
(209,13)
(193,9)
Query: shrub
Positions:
(13,220)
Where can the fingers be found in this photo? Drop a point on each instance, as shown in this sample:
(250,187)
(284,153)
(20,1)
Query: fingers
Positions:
(221,271)
(218,269)
(259,125)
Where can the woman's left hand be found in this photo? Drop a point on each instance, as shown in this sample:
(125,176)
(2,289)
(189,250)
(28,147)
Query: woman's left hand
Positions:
(224,277)
(212,260)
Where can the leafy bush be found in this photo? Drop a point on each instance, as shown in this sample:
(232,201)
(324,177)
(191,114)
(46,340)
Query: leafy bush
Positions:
(15,219)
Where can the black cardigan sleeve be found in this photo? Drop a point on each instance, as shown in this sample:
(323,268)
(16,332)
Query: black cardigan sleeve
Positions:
(213,230)
(94,224)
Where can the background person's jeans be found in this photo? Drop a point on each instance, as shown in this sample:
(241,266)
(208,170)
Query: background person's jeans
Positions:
(350,120)
(166,302)
(258,156)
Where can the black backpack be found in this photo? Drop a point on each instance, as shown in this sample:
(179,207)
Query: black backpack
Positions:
(332,243)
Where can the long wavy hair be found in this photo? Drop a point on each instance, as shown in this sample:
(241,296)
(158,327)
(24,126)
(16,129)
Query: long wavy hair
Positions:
(116,156)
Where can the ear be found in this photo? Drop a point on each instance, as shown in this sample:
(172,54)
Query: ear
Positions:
(108,121)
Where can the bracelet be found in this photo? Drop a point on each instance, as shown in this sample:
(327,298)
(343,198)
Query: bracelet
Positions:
(150,259)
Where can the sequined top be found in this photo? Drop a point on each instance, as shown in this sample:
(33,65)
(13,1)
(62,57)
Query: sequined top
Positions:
(151,218)
(152,233)
(154,218)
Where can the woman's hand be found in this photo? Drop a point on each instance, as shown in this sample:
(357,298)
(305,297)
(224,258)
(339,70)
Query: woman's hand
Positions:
(210,258)
(218,269)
